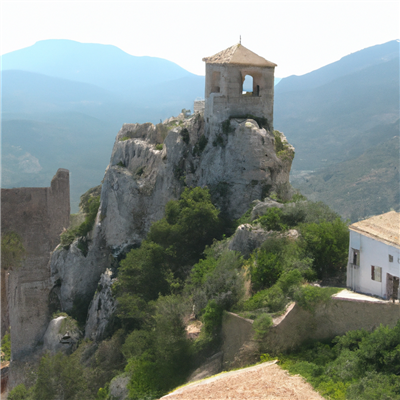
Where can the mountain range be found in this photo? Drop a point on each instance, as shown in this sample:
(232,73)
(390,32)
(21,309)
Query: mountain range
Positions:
(64,101)
(340,119)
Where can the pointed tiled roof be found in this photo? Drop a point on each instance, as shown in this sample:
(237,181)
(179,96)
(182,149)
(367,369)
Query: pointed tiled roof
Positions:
(240,55)
(385,227)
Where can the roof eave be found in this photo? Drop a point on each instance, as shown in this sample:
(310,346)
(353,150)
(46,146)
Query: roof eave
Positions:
(375,237)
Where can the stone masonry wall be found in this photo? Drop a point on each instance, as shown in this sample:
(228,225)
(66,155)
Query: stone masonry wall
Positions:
(297,326)
(38,215)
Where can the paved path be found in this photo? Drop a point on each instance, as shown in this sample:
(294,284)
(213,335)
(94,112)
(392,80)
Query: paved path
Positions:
(350,295)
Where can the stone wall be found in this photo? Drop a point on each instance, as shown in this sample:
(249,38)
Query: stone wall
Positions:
(329,320)
(38,215)
(224,98)
(297,326)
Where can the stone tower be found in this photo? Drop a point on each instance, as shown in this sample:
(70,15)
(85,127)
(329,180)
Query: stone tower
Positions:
(224,96)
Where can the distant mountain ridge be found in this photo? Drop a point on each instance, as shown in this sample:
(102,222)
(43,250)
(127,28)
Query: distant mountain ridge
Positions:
(105,66)
(338,118)
(63,101)
(345,66)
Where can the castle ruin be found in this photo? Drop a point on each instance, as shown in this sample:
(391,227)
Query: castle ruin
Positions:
(38,216)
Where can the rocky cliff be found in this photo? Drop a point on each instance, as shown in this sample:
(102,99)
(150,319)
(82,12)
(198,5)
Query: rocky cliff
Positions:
(152,164)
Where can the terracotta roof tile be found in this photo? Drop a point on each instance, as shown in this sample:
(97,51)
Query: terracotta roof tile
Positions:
(385,227)
(240,55)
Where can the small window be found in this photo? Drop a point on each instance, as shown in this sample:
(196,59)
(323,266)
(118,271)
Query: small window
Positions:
(376,273)
(390,258)
(215,83)
(356,257)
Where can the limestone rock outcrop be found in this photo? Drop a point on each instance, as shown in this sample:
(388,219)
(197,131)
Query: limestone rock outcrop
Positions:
(74,275)
(101,309)
(152,164)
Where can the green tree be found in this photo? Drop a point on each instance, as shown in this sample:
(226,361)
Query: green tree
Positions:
(266,269)
(190,224)
(164,259)
(20,392)
(160,356)
(327,243)
(60,376)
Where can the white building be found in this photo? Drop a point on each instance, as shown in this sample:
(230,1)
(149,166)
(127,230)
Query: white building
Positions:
(374,256)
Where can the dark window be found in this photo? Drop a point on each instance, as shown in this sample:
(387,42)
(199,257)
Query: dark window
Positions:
(356,257)
(376,273)
(390,258)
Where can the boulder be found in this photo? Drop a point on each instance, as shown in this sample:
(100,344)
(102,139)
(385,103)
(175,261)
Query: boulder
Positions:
(247,238)
(262,207)
(62,334)
(119,387)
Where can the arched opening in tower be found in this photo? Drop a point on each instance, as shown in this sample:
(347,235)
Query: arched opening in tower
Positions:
(247,86)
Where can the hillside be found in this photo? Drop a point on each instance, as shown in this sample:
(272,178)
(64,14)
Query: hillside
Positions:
(63,101)
(336,114)
(363,186)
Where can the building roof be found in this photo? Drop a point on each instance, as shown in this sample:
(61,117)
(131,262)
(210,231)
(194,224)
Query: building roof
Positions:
(240,55)
(385,228)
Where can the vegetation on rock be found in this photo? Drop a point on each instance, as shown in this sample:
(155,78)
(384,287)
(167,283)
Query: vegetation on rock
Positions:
(12,251)
(89,205)
(184,270)
(5,348)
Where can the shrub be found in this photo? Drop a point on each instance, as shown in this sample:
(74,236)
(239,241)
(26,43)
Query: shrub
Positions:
(265,270)
(20,392)
(223,283)
(6,347)
(290,281)
(271,220)
(212,317)
(328,243)
(60,376)
(68,236)
(200,145)
(375,386)
(261,326)
(185,135)
(159,146)
(163,359)
(272,299)
(308,297)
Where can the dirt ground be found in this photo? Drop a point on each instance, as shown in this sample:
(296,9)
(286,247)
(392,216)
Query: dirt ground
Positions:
(263,381)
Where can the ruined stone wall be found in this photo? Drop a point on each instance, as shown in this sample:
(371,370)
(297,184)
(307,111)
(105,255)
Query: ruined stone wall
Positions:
(38,215)
(297,326)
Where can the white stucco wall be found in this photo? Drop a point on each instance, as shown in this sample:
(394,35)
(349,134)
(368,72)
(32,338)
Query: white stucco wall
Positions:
(372,252)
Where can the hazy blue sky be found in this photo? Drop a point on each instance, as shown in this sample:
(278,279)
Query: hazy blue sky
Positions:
(299,36)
